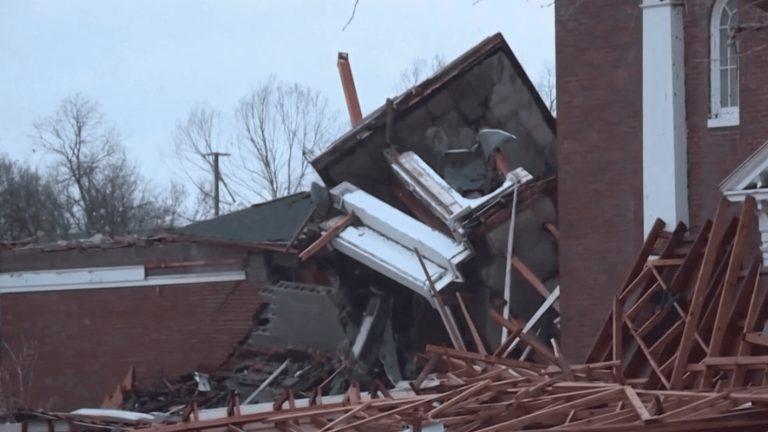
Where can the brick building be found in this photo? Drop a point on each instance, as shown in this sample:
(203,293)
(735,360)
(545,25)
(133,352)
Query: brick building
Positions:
(75,316)
(658,102)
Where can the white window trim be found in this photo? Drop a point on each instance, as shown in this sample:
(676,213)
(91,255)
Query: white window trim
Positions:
(719,117)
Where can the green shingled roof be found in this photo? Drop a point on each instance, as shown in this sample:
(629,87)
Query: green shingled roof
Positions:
(273,221)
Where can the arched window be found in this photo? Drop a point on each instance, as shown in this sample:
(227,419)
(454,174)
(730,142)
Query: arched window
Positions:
(724,73)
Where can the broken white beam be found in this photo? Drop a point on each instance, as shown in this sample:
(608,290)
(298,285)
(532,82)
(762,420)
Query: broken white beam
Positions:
(440,197)
(386,240)
(535,318)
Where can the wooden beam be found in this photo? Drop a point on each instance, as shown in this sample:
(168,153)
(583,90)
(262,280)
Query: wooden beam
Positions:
(618,325)
(471,325)
(553,230)
(734,361)
(328,236)
(647,353)
(532,279)
(751,290)
(636,403)
(601,345)
(756,339)
(728,295)
(445,313)
(521,422)
(531,340)
(464,355)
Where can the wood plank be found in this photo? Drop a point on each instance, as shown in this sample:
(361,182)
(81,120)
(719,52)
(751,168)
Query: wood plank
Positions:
(368,420)
(346,416)
(691,408)
(750,289)
(638,283)
(521,422)
(624,416)
(529,339)
(733,360)
(463,355)
(532,279)
(757,339)
(618,324)
(471,325)
(691,261)
(668,336)
(601,345)
(725,309)
(637,405)
(328,236)
(553,230)
(647,353)
(666,262)
(458,399)
(648,291)
(445,313)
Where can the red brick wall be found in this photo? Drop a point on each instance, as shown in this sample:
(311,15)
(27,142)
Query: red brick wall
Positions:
(86,340)
(599,132)
(714,153)
(599,79)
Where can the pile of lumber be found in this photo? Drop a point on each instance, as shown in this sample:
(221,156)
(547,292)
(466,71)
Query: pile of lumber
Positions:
(693,317)
(682,350)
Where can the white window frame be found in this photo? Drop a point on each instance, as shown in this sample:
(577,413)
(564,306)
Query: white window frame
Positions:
(719,116)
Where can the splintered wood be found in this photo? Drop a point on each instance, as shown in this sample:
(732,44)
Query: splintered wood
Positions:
(681,350)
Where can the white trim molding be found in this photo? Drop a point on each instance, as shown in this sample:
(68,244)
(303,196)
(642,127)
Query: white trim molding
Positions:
(105,277)
(724,60)
(751,179)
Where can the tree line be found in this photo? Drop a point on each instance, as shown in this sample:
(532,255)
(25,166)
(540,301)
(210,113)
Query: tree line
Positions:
(90,186)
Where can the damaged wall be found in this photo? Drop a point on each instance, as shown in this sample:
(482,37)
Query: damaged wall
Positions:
(484,88)
(82,342)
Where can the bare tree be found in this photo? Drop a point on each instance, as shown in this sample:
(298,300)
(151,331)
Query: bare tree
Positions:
(101,190)
(194,140)
(279,128)
(546,86)
(16,376)
(30,205)
(419,70)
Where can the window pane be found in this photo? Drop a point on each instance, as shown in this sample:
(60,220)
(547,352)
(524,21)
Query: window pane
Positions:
(724,87)
(725,16)
(730,6)
(734,79)
(723,54)
(732,54)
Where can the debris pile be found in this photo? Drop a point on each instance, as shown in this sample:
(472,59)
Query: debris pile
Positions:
(259,376)
(682,350)
(694,317)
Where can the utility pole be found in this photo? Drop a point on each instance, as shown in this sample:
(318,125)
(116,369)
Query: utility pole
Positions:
(216,180)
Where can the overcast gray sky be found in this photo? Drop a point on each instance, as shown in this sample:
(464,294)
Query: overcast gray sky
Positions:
(148,62)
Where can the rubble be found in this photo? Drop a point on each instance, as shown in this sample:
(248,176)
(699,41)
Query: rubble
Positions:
(683,350)
(406,246)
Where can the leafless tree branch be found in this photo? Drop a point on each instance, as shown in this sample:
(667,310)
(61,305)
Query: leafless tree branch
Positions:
(279,127)
(419,70)
(101,189)
(353,16)
(547,88)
